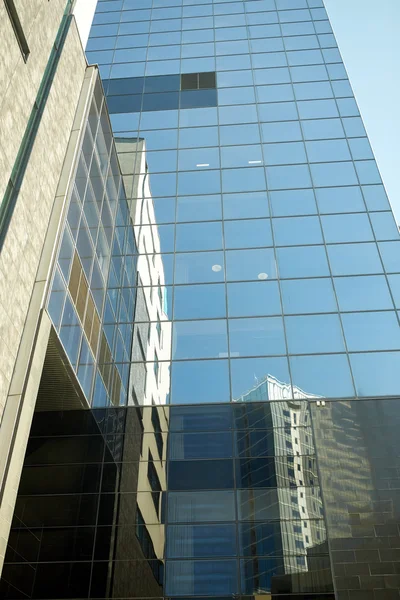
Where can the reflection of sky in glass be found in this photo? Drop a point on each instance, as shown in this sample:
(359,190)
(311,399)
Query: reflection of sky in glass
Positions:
(251,201)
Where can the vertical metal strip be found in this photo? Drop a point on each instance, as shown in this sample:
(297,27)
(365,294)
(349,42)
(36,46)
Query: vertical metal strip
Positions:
(17,175)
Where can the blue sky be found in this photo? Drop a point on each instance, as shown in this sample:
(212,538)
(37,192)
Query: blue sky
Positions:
(367,32)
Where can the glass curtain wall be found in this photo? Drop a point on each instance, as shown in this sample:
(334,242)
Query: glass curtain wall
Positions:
(262,209)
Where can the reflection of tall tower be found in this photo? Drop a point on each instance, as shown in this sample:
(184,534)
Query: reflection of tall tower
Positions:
(292,446)
(151,341)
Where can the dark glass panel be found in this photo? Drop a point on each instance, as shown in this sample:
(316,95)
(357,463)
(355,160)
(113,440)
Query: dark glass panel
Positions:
(200,418)
(200,445)
(207,80)
(200,475)
(165,101)
(198,98)
(197,541)
(161,83)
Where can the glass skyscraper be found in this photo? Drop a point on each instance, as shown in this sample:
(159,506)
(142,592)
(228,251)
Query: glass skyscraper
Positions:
(224,299)
(277,245)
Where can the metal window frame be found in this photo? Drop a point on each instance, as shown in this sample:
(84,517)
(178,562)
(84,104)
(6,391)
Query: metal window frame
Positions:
(17,27)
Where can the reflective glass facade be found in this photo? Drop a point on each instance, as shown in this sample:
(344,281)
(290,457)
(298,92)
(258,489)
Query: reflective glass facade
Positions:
(227,291)
(257,198)
(287,500)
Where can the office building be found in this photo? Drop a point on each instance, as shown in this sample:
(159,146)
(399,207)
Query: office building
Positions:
(216,403)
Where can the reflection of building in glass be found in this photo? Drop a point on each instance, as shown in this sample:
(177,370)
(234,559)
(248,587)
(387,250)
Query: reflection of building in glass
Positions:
(151,343)
(216,293)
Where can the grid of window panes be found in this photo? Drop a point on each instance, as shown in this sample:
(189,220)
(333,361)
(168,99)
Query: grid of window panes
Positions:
(227,508)
(279,251)
(95,271)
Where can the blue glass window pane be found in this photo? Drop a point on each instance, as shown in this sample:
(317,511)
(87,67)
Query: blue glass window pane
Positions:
(201,577)
(198,236)
(245,205)
(367,171)
(254,299)
(328,150)
(243,95)
(390,253)
(200,373)
(201,506)
(294,202)
(202,182)
(376,373)
(363,293)
(394,282)
(237,114)
(384,226)
(163,39)
(342,88)
(354,259)
(197,50)
(241,180)
(198,208)
(256,337)
(127,70)
(294,231)
(347,228)
(305,57)
(231,33)
(302,261)
(197,137)
(56,299)
(290,177)
(325,375)
(258,377)
(317,109)
(196,541)
(360,148)
(375,197)
(241,156)
(304,334)
(198,158)
(274,93)
(285,153)
(264,31)
(309,73)
(231,63)
(198,36)
(156,140)
(331,174)
(271,76)
(311,91)
(161,120)
(294,42)
(247,265)
(321,129)
(340,200)
(198,117)
(297,28)
(280,111)
(254,233)
(199,267)
(199,339)
(354,127)
(247,134)
(199,301)
(270,59)
(308,296)
(70,332)
(371,331)
(162,160)
(281,132)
